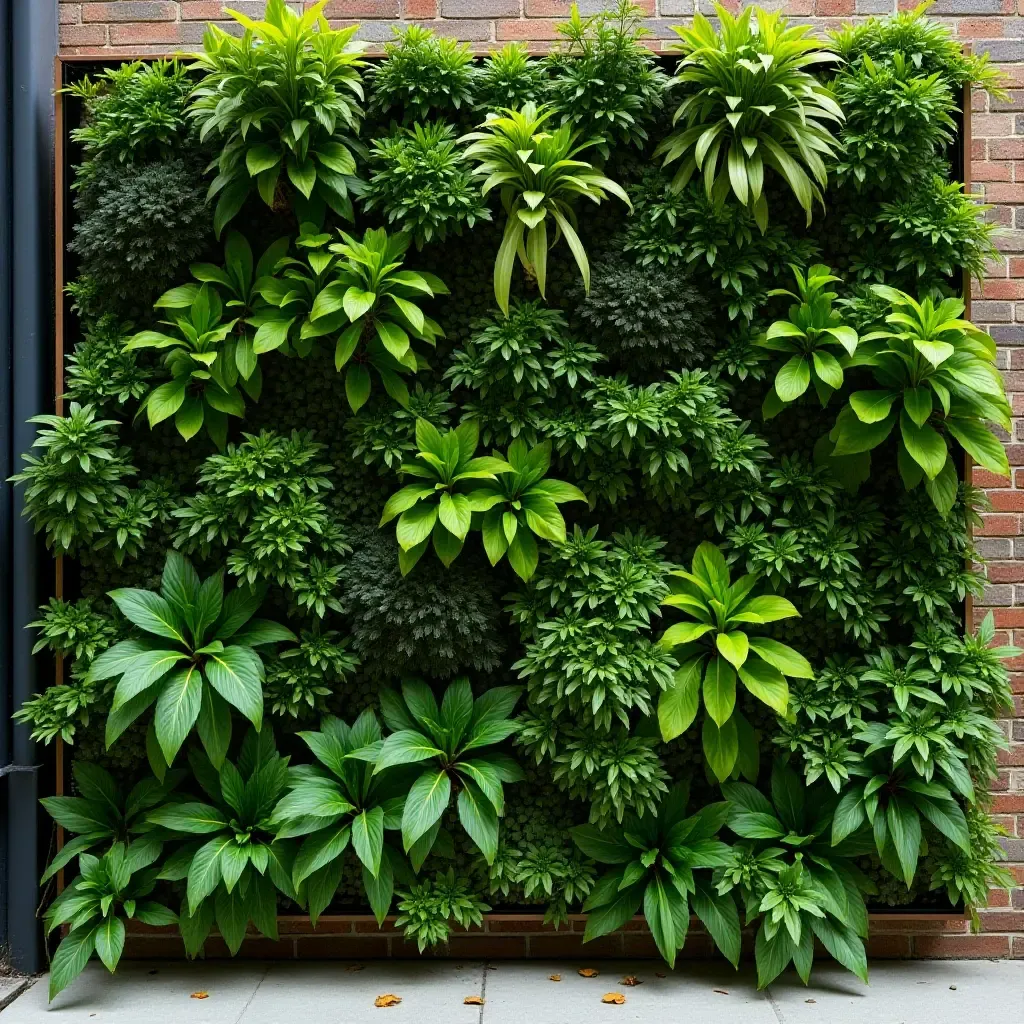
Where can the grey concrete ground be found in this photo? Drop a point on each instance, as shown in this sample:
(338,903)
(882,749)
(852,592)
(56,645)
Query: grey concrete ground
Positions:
(432,992)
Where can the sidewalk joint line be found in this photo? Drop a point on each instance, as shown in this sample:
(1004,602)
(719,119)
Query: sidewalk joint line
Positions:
(483,991)
(776,1009)
(248,1002)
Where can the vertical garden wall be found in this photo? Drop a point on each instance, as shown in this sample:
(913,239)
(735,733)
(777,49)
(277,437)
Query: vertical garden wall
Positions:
(523,482)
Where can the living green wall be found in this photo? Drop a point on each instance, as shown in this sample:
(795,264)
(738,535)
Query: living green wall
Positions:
(684,552)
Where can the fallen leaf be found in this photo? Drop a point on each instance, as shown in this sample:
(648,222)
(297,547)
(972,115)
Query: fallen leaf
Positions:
(554,977)
(388,999)
(631,980)
(613,997)
(658,974)
(473,1001)
(200,995)
(588,972)
(810,1000)
(720,991)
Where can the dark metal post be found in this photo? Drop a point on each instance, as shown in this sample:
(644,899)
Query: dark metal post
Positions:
(28,54)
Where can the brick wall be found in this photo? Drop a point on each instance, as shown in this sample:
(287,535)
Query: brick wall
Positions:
(108,28)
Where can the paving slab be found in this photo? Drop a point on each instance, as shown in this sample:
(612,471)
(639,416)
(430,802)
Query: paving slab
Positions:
(144,993)
(432,992)
(11,986)
(521,992)
(906,992)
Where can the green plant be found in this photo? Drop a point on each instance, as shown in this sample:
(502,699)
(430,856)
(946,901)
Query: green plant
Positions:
(283,96)
(604,81)
(107,891)
(752,106)
(422,184)
(653,315)
(509,78)
(102,812)
(100,372)
(435,621)
(653,863)
(929,45)
(523,502)
(202,389)
(78,476)
(137,227)
(897,121)
(538,174)
(813,328)
(788,870)
(927,353)
(198,660)
(344,801)
(718,646)
(134,112)
(453,740)
(233,873)
(421,73)
(440,508)
(380,302)
(428,906)
(299,678)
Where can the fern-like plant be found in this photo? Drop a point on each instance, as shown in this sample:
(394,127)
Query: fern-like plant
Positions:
(752,105)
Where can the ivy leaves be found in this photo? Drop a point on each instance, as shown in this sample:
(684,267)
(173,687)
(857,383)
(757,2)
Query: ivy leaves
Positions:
(198,659)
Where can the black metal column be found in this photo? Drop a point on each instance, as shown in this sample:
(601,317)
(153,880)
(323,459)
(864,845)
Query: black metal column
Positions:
(28,46)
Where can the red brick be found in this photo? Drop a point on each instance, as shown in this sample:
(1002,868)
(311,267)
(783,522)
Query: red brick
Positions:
(999,525)
(82,35)
(1002,920)
(889,947)
(1005,572)
(1000,192)
(1006,149)
(834,8)
(1007,501)
(1002,288)
(69,14)
(362,9)
(986,478)
(128,35)
(130,11)
(419,8)
(979,28)
(532,28)
(967,947)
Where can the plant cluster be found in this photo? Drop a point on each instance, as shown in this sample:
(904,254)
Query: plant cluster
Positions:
(626,583)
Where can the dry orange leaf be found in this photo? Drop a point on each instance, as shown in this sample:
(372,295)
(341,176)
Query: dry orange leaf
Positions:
(588,972)
(613,997)
(388,999)
(473,1001)
(554,977)
(200,995)
(631,980)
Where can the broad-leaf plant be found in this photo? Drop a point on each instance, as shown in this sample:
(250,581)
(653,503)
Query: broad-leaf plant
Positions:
(196,658)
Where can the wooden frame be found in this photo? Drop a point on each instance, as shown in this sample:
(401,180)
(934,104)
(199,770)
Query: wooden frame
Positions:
(331,922)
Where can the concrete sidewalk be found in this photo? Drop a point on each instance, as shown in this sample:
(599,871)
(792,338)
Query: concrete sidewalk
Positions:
(522,992)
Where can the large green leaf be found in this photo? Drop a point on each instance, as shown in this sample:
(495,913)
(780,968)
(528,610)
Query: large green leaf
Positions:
(150,612)
(479,819)
(236,673)
(678,705)
(427,800)
(368,838)
(109,941)
(177,709)
(721,747)
(782,657)
(319,850)
(607,847)
(719,916)
(720,690)
(406,747)
(71,957)
(925,445)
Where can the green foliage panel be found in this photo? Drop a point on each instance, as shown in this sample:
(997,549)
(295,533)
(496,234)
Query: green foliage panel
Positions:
(523,482)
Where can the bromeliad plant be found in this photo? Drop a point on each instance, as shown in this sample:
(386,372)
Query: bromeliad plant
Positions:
(344,801)
(654,860)
(814,328)
(453,741)
(536,170)
(285,98)
(937,377)
(195,660)
(752,105)
(715,648)
(234,872)
(109,890)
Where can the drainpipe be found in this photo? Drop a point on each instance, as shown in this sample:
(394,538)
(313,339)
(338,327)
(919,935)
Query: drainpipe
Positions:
(26,343)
